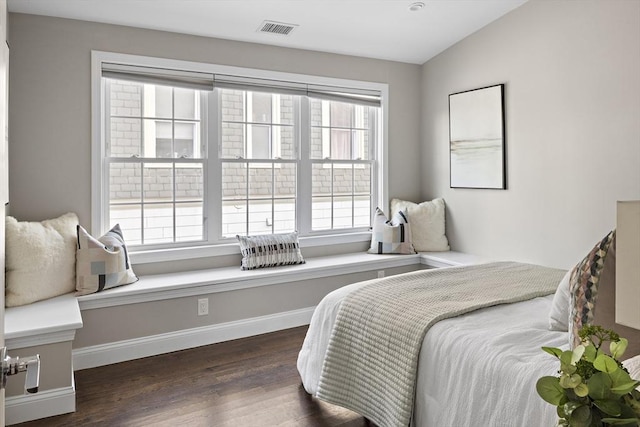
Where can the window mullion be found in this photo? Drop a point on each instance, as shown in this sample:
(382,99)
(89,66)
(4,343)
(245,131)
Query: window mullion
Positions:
(273,197)
(213,173)
(305,168)
(248,197)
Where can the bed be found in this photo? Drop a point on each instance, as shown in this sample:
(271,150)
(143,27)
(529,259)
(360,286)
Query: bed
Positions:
(478,368)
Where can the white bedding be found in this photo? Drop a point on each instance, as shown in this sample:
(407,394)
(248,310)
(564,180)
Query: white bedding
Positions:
(478,369)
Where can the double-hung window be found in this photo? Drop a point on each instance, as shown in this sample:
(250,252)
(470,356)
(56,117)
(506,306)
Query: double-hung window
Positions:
(191,155)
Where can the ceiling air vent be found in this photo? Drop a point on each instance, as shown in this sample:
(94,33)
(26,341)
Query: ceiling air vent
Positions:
(273,27)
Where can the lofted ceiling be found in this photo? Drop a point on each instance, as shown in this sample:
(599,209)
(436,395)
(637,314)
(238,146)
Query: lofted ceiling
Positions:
(382,29)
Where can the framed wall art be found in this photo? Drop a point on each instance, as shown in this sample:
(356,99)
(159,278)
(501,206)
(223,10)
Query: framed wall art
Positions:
(477,138)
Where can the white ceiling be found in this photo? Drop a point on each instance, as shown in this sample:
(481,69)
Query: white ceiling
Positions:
(383,29)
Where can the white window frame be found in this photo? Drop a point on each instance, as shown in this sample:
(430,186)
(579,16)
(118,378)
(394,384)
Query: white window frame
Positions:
(99,194)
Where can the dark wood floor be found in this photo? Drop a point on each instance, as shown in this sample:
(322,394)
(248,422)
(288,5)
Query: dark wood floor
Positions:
(247,382)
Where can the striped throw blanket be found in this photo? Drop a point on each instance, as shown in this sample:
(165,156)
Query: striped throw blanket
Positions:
(371,362)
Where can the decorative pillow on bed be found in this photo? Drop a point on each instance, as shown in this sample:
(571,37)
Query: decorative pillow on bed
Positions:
(270,250)
(633,366)
(391,236)
(40,259)
(102,263)
(583,287)
(427,224)
(559,314)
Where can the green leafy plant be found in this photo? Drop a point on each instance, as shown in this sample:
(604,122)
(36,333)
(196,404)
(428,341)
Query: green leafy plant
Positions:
(593,388)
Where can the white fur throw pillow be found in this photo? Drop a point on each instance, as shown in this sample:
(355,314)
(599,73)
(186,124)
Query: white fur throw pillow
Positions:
(427,224)
(40,259)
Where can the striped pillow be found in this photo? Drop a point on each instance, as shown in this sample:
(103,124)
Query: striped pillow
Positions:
(391,236)
(102,263)
(270,250)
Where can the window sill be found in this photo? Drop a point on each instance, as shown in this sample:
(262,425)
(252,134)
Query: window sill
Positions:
(177,254)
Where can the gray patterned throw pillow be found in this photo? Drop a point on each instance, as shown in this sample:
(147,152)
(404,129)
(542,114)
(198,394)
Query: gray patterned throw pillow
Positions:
(270,250)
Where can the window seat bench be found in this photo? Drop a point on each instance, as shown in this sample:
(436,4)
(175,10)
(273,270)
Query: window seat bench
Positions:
(175,285)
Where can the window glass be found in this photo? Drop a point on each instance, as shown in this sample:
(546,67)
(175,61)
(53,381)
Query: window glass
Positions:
(261,107)
(340,131)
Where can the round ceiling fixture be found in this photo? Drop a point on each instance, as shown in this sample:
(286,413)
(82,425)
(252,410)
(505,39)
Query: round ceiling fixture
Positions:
(416,6)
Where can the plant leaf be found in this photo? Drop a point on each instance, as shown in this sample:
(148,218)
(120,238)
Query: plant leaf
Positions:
(617,348)
(624,388)
(576,354)
(581,390)
(553,351)
(570,381)
(599,386)
(622,383)
(566,356)
(621,421)
(549,389)
(590,353)
(609,407)
(570,406)
(567,368)
(580,417)
(604,363)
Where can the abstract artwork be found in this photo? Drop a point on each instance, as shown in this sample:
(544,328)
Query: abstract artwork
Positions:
(477,138)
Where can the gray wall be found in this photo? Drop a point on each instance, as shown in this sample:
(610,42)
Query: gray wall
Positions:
(110,324)
(571,71)
(50,140)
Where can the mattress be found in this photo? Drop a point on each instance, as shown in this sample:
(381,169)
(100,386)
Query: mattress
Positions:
(475,369)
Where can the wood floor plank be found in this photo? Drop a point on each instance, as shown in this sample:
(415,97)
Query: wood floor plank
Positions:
(246,382)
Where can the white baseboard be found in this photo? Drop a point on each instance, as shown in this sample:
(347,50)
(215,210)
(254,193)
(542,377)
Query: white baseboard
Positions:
(46,403)
(120,351)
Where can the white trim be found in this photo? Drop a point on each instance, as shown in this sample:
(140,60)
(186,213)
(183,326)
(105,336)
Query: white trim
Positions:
(41,339)
(201,282)
(46,403)
(97,146)
(105,354)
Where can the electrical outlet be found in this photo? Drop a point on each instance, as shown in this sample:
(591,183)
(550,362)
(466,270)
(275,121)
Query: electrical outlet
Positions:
(380,274)
(203,306)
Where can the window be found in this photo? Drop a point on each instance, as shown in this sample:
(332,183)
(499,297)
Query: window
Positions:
(342,163)
(189,155)
(153,163)
(259,162)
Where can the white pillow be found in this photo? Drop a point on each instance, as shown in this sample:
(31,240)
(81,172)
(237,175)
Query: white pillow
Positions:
(40,259)
(427,224)
(633,366)
(391,236)
(559,314)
